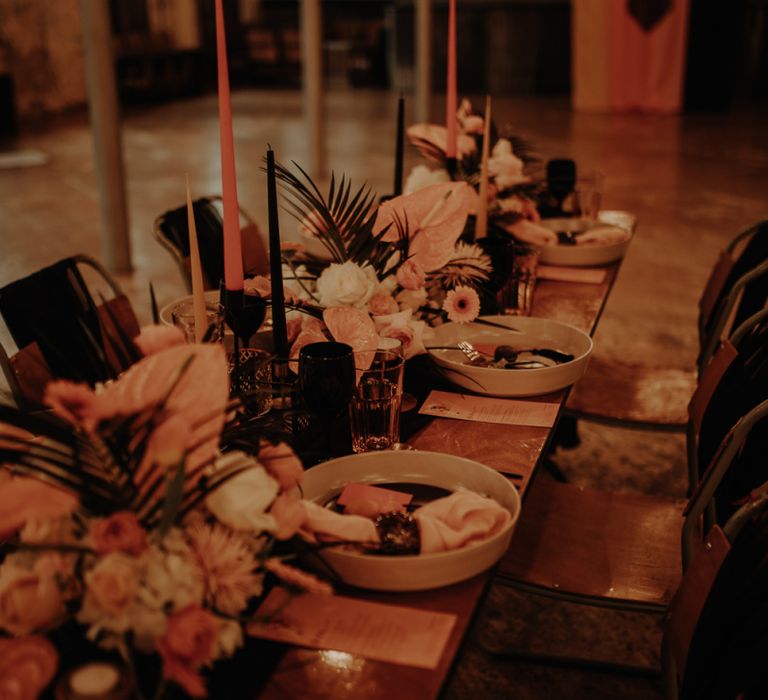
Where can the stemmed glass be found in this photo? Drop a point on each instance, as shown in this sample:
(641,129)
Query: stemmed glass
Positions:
(326,381)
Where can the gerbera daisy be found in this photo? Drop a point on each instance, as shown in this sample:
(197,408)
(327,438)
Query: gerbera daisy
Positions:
(462,305)
(228,564)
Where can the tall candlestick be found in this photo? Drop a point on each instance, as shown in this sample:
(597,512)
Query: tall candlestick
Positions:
(450,84)
(279,328)
(398,188)
(233,255)
(481,223)
(198,297)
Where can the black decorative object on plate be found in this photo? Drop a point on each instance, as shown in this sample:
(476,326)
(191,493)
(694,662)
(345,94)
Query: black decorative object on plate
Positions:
(561,181)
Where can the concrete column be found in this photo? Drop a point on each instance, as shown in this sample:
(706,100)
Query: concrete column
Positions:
(312,84)
(423,47)
(107,139)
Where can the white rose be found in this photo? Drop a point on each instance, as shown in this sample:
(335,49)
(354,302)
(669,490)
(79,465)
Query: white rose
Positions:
(421,176)
(242,502)
(346,285)
(505,167)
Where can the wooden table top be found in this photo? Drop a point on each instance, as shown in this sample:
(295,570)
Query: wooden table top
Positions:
(306,673)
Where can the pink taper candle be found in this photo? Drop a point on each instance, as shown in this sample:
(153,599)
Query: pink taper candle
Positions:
(450,83)
(233,255)
(198,296)
(481,224)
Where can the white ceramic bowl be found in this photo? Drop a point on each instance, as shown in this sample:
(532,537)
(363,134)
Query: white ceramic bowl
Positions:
(534,333)
(412,572)
(588,255)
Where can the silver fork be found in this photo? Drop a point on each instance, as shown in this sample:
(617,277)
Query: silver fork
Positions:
(473,355)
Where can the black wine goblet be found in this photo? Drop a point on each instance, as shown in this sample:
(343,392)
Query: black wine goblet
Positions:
(326,382)
(561,180)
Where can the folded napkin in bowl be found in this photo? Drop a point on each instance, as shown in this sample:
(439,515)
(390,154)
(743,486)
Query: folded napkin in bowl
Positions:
(444,524)
(458,520)
(324,525)
(602,235)
(534,234)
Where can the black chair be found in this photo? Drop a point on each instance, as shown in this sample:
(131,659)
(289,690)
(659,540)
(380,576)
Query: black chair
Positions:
(171,230)
(66,326)
(716,638)
(656,398)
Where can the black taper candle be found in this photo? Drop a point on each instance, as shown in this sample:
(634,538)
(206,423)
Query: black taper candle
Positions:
(279,329)
(398,189)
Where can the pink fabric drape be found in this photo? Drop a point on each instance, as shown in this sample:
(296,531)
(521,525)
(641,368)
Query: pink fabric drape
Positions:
(617,66)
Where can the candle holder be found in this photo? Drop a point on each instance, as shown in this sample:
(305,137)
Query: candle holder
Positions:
(244,313)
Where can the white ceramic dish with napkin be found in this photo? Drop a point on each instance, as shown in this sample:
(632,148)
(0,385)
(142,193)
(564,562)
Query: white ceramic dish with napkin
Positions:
(532,333)
(412,572)
(597,242)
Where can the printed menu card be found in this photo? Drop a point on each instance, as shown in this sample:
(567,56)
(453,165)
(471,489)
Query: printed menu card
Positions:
(390,633)
(484,409)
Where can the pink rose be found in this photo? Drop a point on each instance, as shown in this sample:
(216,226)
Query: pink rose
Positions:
(288,512)
(27,665)
(112,584)
(381,303)
(120,532)
(282,464)
(189,642)
(410,275)
(29,601)
(261,286)
(152,339)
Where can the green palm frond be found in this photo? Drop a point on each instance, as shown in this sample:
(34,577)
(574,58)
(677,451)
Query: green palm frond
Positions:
(343,221)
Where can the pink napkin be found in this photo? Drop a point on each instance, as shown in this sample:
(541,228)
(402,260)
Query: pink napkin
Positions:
(602,235)
(534,234)
(457,520)
(324,525)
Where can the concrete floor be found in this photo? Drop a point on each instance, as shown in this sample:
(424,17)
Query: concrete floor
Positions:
(693,182)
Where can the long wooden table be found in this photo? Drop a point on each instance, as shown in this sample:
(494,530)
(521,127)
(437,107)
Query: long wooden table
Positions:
(306,674)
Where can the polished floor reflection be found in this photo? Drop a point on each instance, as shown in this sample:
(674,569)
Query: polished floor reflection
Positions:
(693,182)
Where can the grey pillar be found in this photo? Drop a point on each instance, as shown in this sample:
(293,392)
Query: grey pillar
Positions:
(423,60)
(312,83)
(107,140)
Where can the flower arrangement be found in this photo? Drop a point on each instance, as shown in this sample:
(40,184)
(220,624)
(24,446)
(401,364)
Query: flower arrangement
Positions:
(122,519)
(392,265)
(513,191)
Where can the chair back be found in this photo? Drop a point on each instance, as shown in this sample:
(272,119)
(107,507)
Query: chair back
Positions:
(736,470)
(730,297)
(743,385)
(716,637)
(171,229)
(54,319)
(734,381)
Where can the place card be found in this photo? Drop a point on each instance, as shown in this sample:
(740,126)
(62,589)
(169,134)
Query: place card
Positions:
(485,409)
(364,499)
(584,275)
(391,633)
